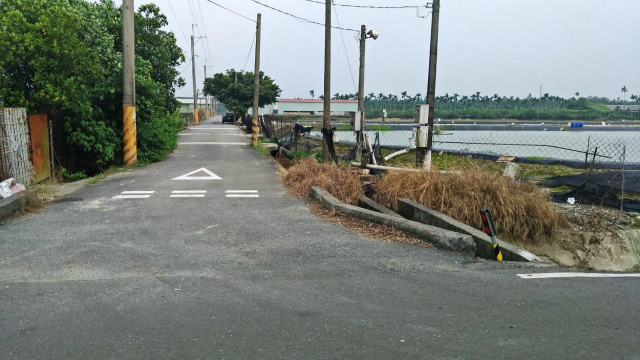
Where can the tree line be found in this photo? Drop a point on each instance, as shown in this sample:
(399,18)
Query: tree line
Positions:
(64,58)
(479,106)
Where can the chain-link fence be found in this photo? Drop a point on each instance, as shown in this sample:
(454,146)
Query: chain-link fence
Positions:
(600,150)
(14,145)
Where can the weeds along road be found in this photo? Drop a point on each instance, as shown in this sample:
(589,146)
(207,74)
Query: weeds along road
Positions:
(204,256)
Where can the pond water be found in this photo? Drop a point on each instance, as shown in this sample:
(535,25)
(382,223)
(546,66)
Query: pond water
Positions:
(612,146)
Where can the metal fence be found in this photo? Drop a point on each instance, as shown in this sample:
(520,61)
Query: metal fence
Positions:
(598,149)
(14,145)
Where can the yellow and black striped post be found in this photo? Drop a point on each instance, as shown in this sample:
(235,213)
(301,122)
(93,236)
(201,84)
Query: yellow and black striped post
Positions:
(487,221)
(254,131)
(130,143)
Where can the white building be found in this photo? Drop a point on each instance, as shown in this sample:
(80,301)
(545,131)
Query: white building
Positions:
(307,107)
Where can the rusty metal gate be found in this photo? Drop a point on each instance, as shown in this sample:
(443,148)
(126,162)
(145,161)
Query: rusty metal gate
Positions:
(40,157)
(14,145)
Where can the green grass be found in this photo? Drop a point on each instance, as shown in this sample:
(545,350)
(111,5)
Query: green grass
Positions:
(447,161)
(261,149)
(103,175)
(381,127)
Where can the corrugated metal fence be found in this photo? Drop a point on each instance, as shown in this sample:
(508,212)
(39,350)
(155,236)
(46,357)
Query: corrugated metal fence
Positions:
(14,145)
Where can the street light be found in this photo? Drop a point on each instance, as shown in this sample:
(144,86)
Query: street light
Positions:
(364,34)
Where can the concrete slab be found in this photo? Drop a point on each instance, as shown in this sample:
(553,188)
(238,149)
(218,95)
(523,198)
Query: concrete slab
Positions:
(441,238)
(417,212)
(12,204)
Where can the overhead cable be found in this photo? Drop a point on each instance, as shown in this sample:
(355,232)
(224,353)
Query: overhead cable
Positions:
(231,11)
(206,42)
(370,6)
(249,54)
(301,18)
(345,49)
(177,20)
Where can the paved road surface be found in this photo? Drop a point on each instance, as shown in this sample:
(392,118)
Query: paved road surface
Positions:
(123,270)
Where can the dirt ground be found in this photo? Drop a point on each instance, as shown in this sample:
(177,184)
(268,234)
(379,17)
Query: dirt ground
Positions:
(595,238)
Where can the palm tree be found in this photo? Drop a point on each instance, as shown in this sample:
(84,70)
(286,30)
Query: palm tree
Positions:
(312,93)
(577,93)
(624,91)
(336,96)
(404,99)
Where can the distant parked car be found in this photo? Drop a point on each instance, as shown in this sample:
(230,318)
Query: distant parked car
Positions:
(228,117)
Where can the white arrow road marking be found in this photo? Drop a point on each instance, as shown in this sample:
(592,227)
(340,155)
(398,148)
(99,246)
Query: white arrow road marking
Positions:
(241,194)
(576,275)
(188,176)
(188,193)
(134,195)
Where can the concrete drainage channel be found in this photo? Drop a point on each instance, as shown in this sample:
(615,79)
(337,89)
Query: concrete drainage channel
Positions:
(427,224)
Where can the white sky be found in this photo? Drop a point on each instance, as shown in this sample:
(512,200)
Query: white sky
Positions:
(508,47)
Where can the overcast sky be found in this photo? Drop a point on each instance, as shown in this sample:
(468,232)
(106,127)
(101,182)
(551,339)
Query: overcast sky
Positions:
(508,47)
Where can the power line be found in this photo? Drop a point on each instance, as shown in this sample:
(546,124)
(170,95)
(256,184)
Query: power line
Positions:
(185,67)
(353,80)
(370,6)
(208,50)
(300,18)
(231,11)
(177,20)
(249,54)
(192,15)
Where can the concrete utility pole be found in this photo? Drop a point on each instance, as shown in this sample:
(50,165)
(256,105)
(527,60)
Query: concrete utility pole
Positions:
(206,97)
(326,109)
(360,130)
(423,155)
(193,74)
(256,86)
(129,84)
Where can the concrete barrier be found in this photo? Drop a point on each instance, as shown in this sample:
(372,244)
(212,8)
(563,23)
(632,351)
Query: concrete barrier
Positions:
(12,204)
(369,204)
(441,238)
(420,213)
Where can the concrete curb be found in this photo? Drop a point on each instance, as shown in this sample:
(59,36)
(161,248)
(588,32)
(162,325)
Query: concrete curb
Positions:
(12,204)
(441,238)
(367,203)
(484,249)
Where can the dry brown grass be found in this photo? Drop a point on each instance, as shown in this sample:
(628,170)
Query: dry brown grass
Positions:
(520,211)
(366,228)
(337,180)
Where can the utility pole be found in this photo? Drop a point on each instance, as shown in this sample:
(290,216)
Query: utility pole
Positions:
(129,85)
(206,97)
(326,109)
(360,141)
(256,86)
(360,130)
(193,74)
(423,155)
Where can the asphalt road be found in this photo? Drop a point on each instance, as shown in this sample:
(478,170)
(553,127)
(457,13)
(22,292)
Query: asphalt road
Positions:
(101,275)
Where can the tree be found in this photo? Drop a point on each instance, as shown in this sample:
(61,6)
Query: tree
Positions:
(74,74)
(577,93)
(624,91)
(238,96)
(312,94)
(404,99)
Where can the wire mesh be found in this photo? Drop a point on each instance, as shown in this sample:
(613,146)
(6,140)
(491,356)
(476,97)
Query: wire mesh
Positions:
(15,145)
